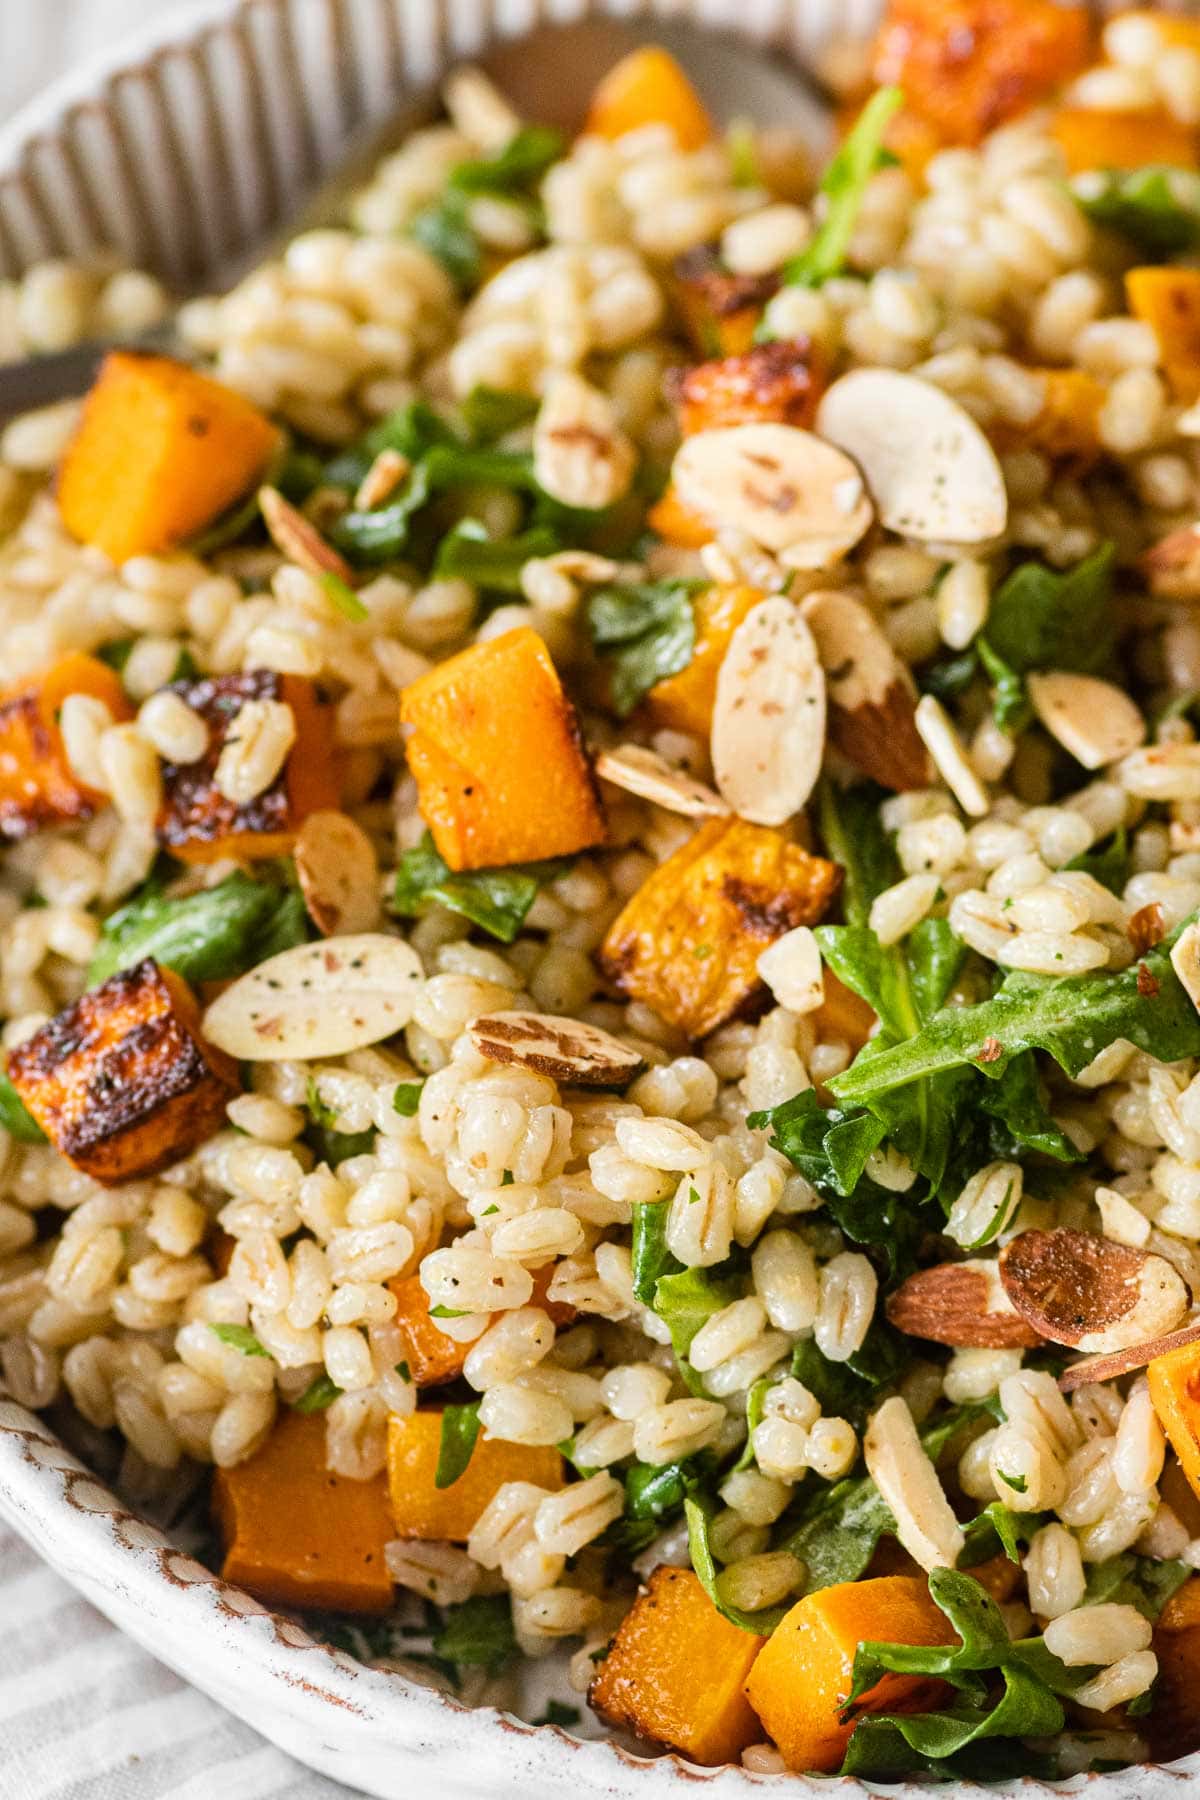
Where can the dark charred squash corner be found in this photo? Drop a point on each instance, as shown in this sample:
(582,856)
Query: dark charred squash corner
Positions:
(122,1083)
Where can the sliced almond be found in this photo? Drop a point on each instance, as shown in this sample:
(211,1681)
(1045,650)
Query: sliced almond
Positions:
(1094,721)
(1172,566)
(780,485)
(1090,1292)
(564,1049)
(768,729)
(338,874)
(318,1000)
(961,1304)
(871,696)
(1146,927)
(643,772)
(929,468)
(1185,960)
(298,539)
(1123,1362)
(382,478)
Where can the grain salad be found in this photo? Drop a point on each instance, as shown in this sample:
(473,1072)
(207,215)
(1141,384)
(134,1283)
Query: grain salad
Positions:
(600,921)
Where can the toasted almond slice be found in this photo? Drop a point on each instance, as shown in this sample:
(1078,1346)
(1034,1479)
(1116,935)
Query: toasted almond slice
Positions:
(338,874)
(1094,721)
(298,538)
(1090,1292)
(1146,927)
(1172,566)
(1123,1362)
(929,468)
(564,1049)
(961,1304)
(768,729)
(780,485)
(1185,960)
(643,772)
(381,479)
(318,1000)
(871,696)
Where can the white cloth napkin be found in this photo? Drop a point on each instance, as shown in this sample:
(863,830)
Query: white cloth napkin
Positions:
(87,1715)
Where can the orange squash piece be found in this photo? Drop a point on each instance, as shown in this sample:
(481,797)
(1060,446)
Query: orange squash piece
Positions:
(1176,31)
(1096,137)
(198,823)
(675,1672)
(684,702)
(648,87)
(160,452)
(1174,1723)
(1067,429)
(720,312)
(1175,1390)
(433,1358)
(37,784)
(779,382)
(297,1535)
(421,1510)
(1168,300)
(688,942)
(122,1083)
(801,1678)
(496,754)
(843,1014)
(676,523)
(968,65)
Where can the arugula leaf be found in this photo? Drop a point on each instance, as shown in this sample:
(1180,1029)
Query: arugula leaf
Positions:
(496,900)
(651,1258)
(1073,1019)
(842,1393)
(489,413)
(1157,208)
(239,1337)
(15,1116)
(658,1490)
(478,1633)
(320,1393)
(460,1431)
(997,1528)
(1108,862)
(207,936)
(1015,1102)
(1043,618)
(1133,1580)
(683,1302)
(762,1622)
(854,836)
(558,1713)
(342,597)
(496,563)
(407,1098)
(443,229)
(412,430)
(646,632)
(380,533)
(844,184)
(1011,708)
(523,161)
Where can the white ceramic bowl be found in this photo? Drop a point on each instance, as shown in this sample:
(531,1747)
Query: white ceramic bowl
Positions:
(182,150)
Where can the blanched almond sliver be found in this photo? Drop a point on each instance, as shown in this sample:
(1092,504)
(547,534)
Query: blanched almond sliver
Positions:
(381,479)
(768,729)
(338,874)
(1094,721)
(1123,1362)
(564,1049)
(780,485)
(298,538)
(1089,1292)
(318,1000)
(643,772)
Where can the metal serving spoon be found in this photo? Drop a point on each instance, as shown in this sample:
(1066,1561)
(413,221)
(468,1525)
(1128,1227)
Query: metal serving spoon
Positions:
(544,74)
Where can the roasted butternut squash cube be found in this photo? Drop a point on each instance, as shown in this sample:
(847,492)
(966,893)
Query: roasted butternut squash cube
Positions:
(496,754)
(648,87)
(37,784)
(671,519)
(200,824)
(720,311)
(122,1083)
(160,451)
(1168,300)
(843,1014)
(688,942)
(1095,137)
(295,1534)
(422,1510)
(1174,1724)
(432,1357)
(968,65)
(684,702)
(776,383)
(1175,1390)
(801,1679)
(675,1672)
(1068,426)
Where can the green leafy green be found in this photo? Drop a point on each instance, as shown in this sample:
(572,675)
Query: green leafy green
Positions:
(1107,862)
(1010,701)
(843,186)
(1157,208)
(841,1391)
(496,900)
(469,552)
(239,1337)
(441,463)
(645,632)
(443,229)
(651,1258)
(1043,618)
(489,413)
(211,935)
(412,430)
(1073,1019)
(766,1619)
(460,1431)
(997,1529)
(342,597)
(320,1393)
(558,1713)
(854,837)
(1139,1581)
(15,1116)
(407,1098)
(523,161)
(683,1302)
(478,1633)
